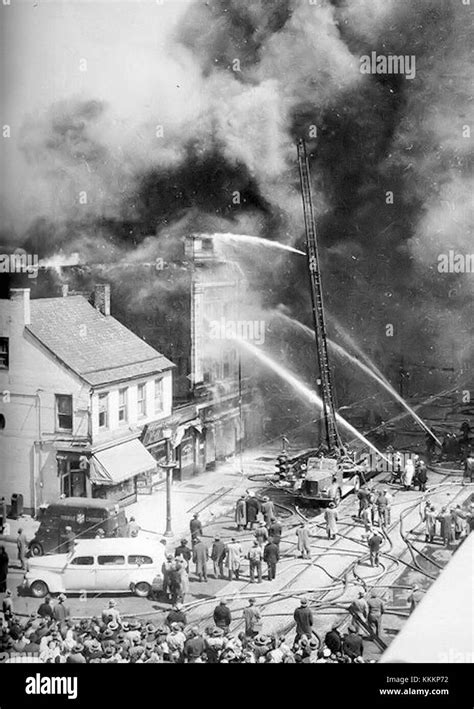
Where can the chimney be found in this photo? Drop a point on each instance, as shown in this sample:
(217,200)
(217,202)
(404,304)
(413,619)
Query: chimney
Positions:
(20,297)
(101,298)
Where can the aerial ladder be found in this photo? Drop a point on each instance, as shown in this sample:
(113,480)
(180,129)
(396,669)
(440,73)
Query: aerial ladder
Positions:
(333,440)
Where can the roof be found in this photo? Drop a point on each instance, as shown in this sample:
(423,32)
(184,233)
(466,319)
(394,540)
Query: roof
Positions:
(97,348)
(90,502)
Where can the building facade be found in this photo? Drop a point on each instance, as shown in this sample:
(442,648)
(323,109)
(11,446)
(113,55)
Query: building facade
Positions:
(77,390)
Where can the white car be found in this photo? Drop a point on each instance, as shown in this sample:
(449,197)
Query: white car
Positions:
(115,565)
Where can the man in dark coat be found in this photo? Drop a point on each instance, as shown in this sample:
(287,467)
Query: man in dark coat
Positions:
(352,645)
(3,569)
(376,611)
(21,545)
(176,615)
(45,610)
(252,507)
(421,476)
(222,616)
(333,640)
(194,646)
(61,611)
(218,552)
(303,617)
(200,557)
(271,556)
(275,530)
(184,552)
(195,527)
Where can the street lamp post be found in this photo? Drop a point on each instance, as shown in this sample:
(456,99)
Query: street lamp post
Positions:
(168,466)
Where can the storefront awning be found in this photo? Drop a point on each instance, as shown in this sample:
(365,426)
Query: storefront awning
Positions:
(121,462)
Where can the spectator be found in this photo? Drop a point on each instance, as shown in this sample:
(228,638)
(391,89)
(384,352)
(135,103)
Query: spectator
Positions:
(166,568)
(429,519)
(200,557)
(275,531)
(61,612)
(331,517)
(376,611)
(111,613)
(303,617)
(184,552)
(176,615)
(268,511)
(195,527)
(255,557)
(222,616)
(240,513)
(333,640)
(359,609)
(218,553)
(21,545)
(252,508)
(252,619)
(375,542)
(302,535)
(352,644)
(45,610)
(233,559)
(261,534)
(271,556)
(3,569)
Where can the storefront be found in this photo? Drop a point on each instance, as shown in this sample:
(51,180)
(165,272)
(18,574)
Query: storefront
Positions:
(115,471)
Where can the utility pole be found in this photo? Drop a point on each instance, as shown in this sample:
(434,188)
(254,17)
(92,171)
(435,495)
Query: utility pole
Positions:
(168,467)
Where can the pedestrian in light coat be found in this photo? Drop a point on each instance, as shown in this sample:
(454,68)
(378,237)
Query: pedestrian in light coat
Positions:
(200,557)
(261,534)
(166,568)
(240,513)
(271,556)
(268,510)
(331,517)
(275,531)
(21,545)
(218,553)
(446,526)
(302,535)
(376,611)
(233,558)
(255,557)
(408,474)
(359,609)
(183,580)
(429,519)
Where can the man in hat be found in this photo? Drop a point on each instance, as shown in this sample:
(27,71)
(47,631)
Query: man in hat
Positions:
(200,557)
(76,656)
(303,617)
(184,552)
(302,535)
(166,569)
(21,545)
(376,611)
(359,609)
(233,558)
(331,517)
(268,510)
(430,518)
(352,645)
(252,508)
(111,612)
(222,616)
(255,557)
(194,646)
(218,552)
(133,527)
(261,534)
(375,542)
(195,527)
(240,513)
(253,619)
(271,556)
(333,639)
(61,612)
(275,531)
(383,507)
(176,615)
(45,610)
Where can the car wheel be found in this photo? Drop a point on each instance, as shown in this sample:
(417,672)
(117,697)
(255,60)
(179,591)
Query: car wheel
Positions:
(39,589)
(36,549)
(142,589)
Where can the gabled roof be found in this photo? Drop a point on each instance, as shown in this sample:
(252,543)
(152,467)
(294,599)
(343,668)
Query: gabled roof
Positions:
(97,348)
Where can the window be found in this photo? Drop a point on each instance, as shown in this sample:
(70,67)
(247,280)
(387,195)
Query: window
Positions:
(104,410)
(123,405)
(141,400)
(64,412)
(3,352)
(159,404)
(83,561)
(139,560)
(111,560)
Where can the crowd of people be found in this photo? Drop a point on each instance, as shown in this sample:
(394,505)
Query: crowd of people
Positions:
(51,636)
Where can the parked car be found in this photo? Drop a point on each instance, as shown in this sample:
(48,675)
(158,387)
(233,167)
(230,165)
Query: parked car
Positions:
(84,515)
(124,565)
